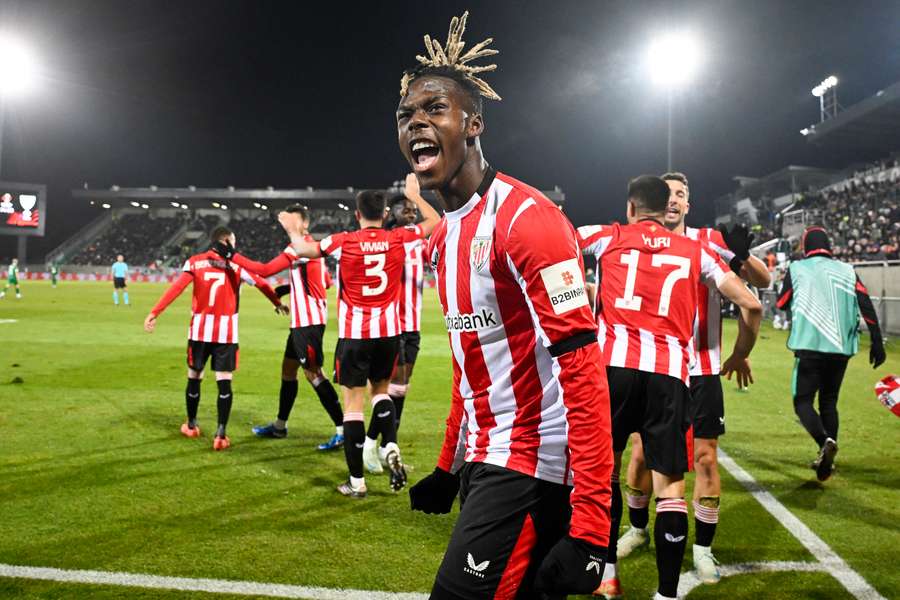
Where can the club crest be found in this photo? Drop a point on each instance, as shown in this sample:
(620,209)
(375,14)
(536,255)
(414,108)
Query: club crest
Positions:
(480,251)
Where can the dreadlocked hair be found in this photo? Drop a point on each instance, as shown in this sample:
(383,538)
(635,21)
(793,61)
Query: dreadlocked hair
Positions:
(450,61)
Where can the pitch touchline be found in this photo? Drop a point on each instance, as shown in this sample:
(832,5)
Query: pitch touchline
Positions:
(215,586)
(827,561)
(823,553)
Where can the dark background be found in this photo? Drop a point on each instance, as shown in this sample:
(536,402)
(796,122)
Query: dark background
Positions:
(290,94)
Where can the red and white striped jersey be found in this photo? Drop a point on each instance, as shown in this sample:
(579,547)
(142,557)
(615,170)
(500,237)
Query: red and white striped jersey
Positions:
(708,323)
(510,280)
(309,280)
(411,293)
(370,263)
(216,296)
(647,301)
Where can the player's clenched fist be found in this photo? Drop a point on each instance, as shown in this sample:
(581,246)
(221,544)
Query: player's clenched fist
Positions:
(435,494)
(572,566)
(150,323)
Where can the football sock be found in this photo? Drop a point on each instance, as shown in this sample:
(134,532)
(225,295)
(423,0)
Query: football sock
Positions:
(286,398)
(610,571)
(192,400)
(615,519)
(638,507)
(329,399)
(829,413)
(354,438)
(397,392)
(670,536)
(706,516)
(116,298)
(383,420)
(223,405)
(125,295)
(809,418)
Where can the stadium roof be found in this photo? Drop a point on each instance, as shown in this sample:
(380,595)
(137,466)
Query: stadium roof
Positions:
(872,125)
(243,198)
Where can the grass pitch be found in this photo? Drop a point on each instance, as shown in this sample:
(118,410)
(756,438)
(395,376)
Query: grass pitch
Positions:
(95,475)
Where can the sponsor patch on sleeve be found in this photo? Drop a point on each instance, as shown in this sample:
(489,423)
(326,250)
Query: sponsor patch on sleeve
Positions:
(564,283)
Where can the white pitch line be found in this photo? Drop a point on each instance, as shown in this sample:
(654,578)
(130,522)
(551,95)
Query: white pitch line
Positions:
(834,564)
(6,321)
(688,581)
(215,586)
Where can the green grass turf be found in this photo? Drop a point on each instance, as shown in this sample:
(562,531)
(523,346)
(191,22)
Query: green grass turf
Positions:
(95,475)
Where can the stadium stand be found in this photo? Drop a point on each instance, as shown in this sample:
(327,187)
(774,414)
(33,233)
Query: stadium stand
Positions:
(139,236)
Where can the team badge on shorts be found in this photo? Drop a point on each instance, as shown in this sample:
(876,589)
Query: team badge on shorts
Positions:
(480,251)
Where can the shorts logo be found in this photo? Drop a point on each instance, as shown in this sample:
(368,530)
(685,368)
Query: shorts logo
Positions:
(480,251)
(564,283)
(594,565)
(673,539)
(475,569)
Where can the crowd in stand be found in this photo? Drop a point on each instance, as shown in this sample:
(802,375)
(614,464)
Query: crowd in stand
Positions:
(862,214)
(140,237)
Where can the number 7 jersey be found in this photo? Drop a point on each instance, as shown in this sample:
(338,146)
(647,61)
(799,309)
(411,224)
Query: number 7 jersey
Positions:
(647,299)
(370,267)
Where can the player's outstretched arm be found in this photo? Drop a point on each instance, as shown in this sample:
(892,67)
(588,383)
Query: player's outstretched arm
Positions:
(276,265)
(735,290)
(292,225)
(167,298)
(430,216)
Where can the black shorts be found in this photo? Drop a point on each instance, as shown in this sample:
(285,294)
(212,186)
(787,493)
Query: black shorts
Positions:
(119,283)
(304,344)
(409,347)
(656,406)
(507,524)
(707,407)
(224,356)
(356,362)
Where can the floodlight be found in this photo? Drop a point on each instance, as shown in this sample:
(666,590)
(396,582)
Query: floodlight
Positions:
(673,59)
(223,207)
(105,205)
(18,67)
(135,204)
(144,206)
(216,204)
(804,131)
(825,85)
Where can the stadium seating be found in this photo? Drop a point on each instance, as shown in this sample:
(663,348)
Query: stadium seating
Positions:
(138,236)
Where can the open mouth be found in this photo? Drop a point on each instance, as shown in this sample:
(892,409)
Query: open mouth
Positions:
(424,154)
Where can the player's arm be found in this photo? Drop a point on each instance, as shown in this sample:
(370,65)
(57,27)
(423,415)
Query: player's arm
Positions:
(167,298)
(435,493)
(733,288)
(877,354)
(545,259)
(734,247)
(274,266)
(430,217)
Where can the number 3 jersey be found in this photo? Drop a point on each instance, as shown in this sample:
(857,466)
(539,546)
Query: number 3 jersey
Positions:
(370,266)
(216,297)
(647,300)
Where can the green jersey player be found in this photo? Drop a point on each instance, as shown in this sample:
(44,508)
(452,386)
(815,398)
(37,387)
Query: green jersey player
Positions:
(12,278)
(54,273)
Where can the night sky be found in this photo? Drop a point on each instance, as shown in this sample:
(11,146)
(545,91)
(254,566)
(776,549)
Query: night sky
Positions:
(290,94)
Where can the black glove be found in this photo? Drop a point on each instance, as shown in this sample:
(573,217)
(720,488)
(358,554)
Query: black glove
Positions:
(435,494)
(223,249)
(572,566)
(738,240)
(283,290)
(877,355)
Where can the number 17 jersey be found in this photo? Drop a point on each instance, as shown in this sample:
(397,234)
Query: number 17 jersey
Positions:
(648,297)
(370,266)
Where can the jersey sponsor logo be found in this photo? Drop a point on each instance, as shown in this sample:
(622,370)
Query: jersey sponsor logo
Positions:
(471,321)
(656,242)
(473,568)
(564,283)
(480,251)
(374,246)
